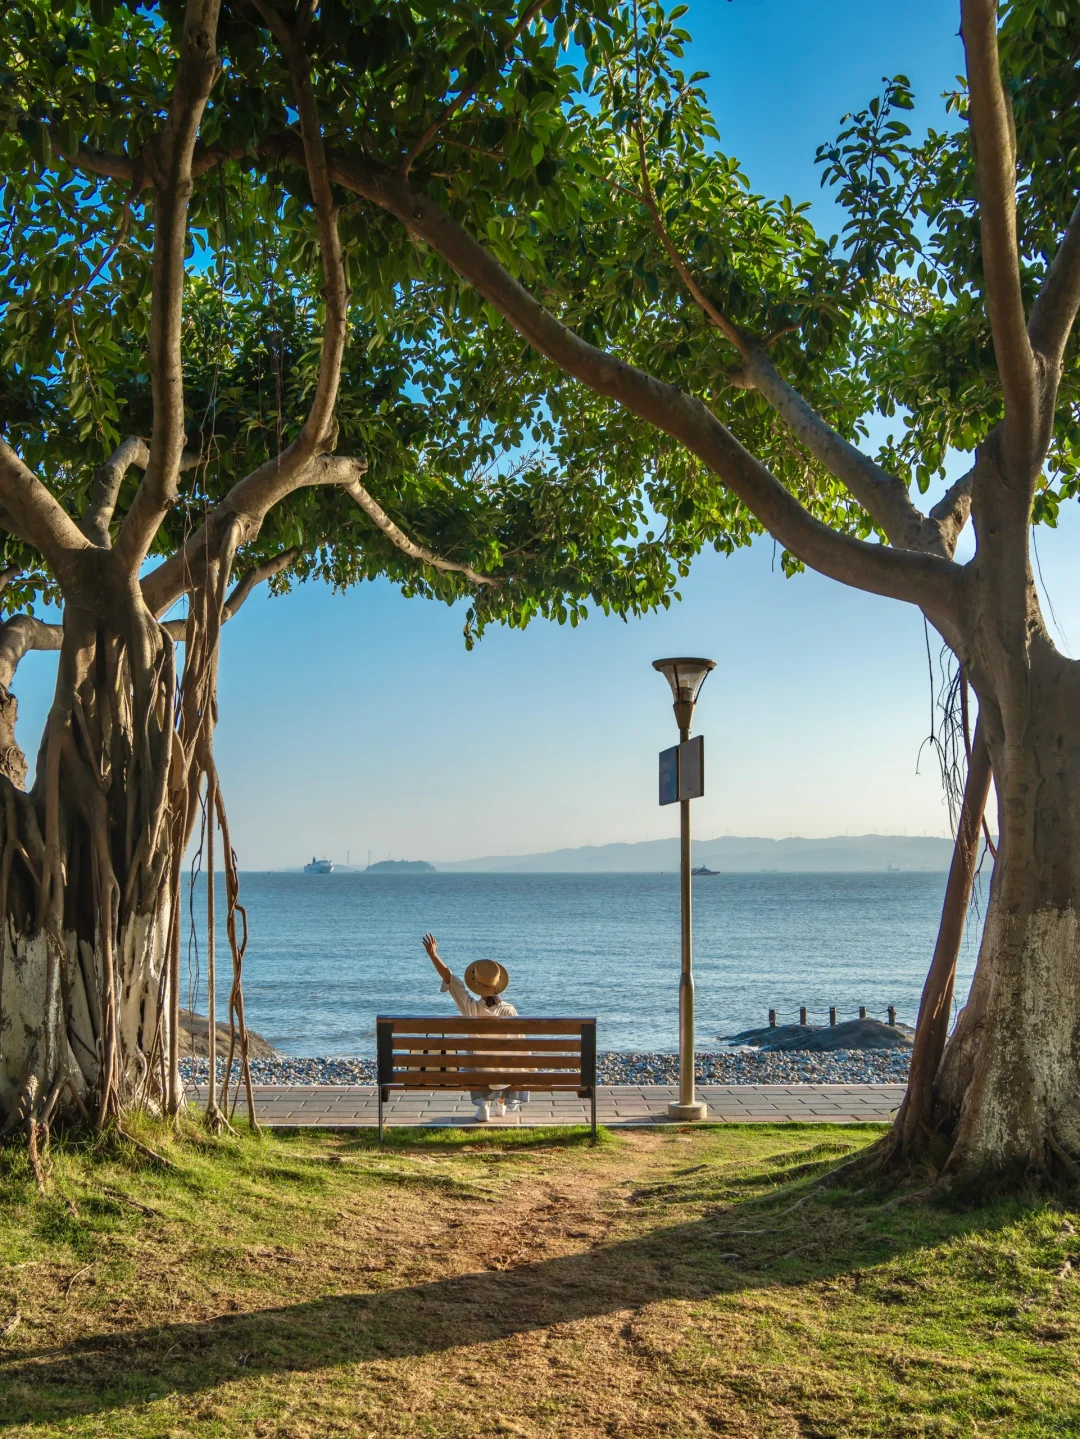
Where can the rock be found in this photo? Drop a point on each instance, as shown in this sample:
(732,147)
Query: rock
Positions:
(195,1029)
(746,1066)
(812,1038)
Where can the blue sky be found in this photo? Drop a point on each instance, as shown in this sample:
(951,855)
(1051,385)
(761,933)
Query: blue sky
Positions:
(358,722)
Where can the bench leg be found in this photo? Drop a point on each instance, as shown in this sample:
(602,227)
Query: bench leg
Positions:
(380,1115)
(594,1115)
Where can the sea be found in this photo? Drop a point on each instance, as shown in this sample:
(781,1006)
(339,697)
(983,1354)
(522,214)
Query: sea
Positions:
(327,953)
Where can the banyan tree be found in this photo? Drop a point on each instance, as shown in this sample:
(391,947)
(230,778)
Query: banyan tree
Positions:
(220,370)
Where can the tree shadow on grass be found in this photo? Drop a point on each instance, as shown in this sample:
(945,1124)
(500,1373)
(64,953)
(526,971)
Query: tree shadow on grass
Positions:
(692,1261)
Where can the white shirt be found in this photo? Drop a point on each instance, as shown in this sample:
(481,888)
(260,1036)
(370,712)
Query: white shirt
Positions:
(473,1008)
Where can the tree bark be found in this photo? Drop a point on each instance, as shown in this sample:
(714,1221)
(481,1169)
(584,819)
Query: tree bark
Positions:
(90,859)
(1008,1090)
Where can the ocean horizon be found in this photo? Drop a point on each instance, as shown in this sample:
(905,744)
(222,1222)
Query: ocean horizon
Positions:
(327,953)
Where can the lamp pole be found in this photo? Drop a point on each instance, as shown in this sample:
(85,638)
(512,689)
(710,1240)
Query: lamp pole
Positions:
(686,676)
(689,1105)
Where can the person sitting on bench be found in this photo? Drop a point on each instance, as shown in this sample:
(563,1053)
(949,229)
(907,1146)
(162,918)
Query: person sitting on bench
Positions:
(487,979)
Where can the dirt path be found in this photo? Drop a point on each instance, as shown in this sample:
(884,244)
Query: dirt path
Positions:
(659,1286)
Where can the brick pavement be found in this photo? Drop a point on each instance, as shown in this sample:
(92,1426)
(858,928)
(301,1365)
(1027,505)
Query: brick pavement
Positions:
(355,1106)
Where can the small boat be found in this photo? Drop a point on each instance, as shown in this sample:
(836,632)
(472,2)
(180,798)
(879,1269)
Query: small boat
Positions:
(319,866)
(704,869)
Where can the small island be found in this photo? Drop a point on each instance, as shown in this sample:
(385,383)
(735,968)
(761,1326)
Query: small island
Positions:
(400,866)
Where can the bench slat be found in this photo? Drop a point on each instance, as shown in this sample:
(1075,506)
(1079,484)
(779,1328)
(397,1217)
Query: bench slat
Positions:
(485,1078)
(521,1024)
(482,1043)
(451,1064)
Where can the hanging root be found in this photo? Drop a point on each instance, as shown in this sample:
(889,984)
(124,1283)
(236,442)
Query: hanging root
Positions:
(31,1127)
(237,1024)
(25,1118)
(91,862)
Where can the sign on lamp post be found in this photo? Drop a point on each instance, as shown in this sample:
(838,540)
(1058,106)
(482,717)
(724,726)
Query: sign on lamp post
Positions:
(682,779)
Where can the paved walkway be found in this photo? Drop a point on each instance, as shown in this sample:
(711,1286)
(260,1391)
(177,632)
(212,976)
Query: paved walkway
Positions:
(355,1106)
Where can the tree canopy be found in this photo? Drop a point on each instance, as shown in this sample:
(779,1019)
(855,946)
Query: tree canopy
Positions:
(480,486)
(569,139)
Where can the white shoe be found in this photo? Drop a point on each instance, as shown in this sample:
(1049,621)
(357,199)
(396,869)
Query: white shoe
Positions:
(512,1106)
(483,1113)
(500,1109)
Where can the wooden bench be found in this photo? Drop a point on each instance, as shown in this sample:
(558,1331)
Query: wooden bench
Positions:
(521,1053)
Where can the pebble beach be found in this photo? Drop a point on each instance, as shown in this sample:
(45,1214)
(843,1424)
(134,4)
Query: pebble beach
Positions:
(742,1066)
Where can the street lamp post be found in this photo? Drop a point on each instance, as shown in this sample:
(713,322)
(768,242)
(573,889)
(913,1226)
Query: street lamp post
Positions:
(685,676)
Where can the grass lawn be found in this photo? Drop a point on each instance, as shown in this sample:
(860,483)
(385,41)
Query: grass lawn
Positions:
(523,1283)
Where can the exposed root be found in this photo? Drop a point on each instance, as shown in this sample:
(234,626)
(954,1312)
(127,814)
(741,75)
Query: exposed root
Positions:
(915,1197)
(122,1198)
(73,1277)
(144,1149)
(213,1119)
(31,1131)
(1070,1166)
(69,1203)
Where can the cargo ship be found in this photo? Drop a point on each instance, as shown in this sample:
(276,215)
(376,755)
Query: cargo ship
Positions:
(319,866)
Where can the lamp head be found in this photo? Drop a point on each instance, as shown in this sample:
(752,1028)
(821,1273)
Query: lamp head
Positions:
(685,676)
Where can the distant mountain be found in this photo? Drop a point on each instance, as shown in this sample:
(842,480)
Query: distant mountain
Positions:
(730,854)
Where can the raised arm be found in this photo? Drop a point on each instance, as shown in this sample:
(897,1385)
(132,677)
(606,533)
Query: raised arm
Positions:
(433,955)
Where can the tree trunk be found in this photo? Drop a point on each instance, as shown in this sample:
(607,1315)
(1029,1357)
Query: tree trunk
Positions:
(90,866)
(85,895)
(1008,1090)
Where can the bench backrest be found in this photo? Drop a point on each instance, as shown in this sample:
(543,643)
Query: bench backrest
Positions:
(521,1053)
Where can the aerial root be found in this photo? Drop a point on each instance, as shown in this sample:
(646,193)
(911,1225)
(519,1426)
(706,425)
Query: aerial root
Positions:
(873,1165)
(1070,1166)
(115,1134)
(30,1127)
(144,1149)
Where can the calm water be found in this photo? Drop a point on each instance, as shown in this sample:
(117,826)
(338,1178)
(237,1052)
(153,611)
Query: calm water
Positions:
(327,953)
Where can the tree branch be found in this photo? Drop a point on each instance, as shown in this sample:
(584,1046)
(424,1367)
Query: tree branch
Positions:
(723,324)
(346,473)
(995,165)
(256,576)
(246,506)
(296,467)
(169,157)
(951,512)
(135,172)
(98,162)
(18,636)
(107,481)
(37,515)
(882,495)
(317,433)
(926,580)
(1054,312)
(420,144)
(248,503)
(177,629)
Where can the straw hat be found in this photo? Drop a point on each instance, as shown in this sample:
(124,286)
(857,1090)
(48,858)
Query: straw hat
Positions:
(486,976)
